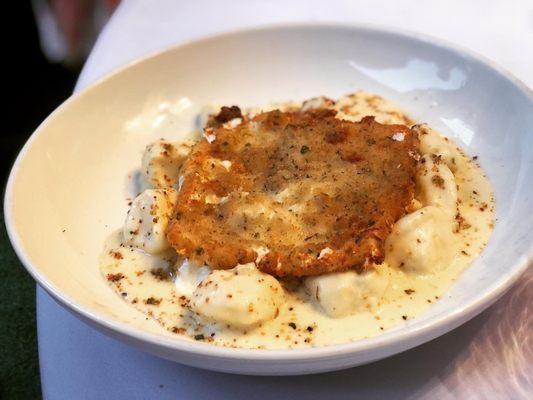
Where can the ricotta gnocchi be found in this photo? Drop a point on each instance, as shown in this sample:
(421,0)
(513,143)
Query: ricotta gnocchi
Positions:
(447,226)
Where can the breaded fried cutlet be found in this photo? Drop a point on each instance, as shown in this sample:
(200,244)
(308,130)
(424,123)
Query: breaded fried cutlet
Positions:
(299,193)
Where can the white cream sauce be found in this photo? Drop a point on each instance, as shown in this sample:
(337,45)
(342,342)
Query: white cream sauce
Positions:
(141,279)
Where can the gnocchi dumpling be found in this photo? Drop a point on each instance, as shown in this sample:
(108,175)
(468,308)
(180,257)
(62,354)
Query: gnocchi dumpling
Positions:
(422,242)
(436,185)
(240,297)
(344,293)
(188,277)
(148,218)
(432,142)
(162,161)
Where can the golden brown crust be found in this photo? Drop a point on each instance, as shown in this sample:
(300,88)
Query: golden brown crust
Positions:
(300,193)
(225,114)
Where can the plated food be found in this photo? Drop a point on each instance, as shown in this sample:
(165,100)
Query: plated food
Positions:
(299,224)
(72,182)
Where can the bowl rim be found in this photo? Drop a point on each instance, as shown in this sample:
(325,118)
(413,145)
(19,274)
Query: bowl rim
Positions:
(427,330)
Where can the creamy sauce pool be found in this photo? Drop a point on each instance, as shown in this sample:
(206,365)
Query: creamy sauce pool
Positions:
(143,281)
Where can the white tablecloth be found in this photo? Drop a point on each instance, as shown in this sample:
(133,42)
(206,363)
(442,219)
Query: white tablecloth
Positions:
(488,357)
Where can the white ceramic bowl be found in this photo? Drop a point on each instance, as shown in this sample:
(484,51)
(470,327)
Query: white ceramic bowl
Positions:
(67,190)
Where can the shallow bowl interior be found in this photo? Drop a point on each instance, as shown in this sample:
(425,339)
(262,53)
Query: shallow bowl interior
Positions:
(68,188)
